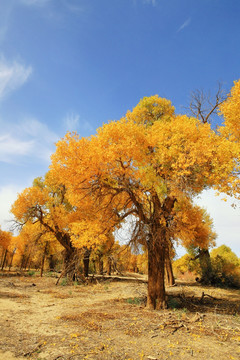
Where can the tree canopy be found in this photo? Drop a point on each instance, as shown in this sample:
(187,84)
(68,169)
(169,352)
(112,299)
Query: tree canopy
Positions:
(147,164)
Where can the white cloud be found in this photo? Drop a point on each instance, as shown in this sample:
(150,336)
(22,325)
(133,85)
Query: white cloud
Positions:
(42,136)
(10,146)
(37,129)
(8,195)
(184,25)
(12,76)
(26,140)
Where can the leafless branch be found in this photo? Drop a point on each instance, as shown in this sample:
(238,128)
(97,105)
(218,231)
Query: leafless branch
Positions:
(203,105)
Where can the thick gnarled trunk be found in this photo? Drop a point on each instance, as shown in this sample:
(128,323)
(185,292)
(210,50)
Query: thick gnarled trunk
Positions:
(156,298)
(69,264)
(69,261)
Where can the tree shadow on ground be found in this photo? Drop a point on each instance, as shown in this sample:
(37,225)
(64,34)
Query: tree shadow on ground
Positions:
(204,303)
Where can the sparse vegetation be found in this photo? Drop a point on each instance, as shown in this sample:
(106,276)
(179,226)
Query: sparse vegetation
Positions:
(87,322)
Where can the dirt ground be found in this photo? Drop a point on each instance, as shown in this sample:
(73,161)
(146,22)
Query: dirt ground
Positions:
(109,320)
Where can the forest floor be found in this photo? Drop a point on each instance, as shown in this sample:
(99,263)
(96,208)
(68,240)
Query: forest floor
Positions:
(109,320)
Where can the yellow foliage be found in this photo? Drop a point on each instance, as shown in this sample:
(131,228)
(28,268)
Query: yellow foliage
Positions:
(150,153)
(193,225)
(150,110)
(230,109)
(138,165)
(87,234)
(5,238)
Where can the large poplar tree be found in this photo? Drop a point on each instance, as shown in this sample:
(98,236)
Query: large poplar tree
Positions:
(145,165)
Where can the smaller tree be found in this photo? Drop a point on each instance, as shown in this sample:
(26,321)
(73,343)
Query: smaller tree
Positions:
(5,240)
(185,265)
(226,266)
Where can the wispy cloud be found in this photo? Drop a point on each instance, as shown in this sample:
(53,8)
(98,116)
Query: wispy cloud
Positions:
(5,14)
(35,2)
(12,76)
(71,121)
(29,139)
(74,6)
(44,139)
(87,126)
(184,25)
(11,146)
(151,2)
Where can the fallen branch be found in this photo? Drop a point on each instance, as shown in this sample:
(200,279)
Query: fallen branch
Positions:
(206,295)
(34,350)
(177,327)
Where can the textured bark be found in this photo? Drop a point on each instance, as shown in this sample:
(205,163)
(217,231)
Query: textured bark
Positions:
(28,261)
(86,258)
(11,260)
(168,267)
(4,259)
(51,263)
(2,256)
(156,298)
(109,266)
(43,258)
(70,263)
(100,266)
(22,261)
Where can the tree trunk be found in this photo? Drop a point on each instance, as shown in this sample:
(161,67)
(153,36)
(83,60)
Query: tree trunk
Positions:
(51,263)
(86,258)
(22,261)
(94,266)
(69,262)
(2,256)
(206,266)
(156,298)
(28,262)
(4,259)
(100,265)
(29,265)
(109,266)
(11,260)
(168,267)
(43,259)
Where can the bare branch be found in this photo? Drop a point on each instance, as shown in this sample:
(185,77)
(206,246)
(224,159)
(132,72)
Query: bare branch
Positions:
(203,105)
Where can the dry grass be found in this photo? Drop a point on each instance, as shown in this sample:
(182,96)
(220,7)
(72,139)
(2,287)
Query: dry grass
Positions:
(109,321)
(12,295)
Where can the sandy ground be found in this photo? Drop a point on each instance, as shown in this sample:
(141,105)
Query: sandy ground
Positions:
(109,320)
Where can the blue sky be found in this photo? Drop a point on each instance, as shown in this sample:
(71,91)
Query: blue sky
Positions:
(75,64)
